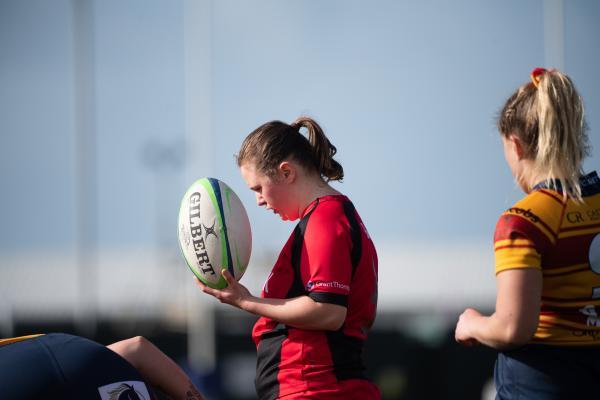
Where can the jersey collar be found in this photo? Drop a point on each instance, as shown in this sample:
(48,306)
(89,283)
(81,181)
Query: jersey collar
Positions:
(313,204)
(590,184)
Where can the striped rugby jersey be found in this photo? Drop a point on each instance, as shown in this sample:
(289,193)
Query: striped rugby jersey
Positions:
(561,238)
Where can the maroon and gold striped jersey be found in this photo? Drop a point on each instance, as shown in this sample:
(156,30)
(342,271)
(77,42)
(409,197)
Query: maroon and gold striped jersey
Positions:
(560,237)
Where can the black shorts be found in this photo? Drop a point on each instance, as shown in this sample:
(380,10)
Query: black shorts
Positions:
(61,366)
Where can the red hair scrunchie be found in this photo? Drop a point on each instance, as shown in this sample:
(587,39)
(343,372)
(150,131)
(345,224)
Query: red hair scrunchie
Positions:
(536,75)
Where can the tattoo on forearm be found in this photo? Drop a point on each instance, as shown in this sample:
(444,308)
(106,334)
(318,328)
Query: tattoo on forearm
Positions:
(193,393)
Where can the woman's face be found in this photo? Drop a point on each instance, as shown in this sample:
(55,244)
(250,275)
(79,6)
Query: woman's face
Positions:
(272,193)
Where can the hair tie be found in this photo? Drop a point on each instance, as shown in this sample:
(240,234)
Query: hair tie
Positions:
(295,127)
(536,76)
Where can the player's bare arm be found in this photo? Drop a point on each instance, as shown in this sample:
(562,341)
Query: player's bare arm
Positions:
(517,312)
(300,312)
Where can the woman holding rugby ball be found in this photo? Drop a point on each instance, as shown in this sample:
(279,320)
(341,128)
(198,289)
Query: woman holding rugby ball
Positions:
(320,299)
(546,323)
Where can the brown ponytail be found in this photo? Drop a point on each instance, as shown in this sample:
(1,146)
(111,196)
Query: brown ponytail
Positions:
(548,117)
(323,150)
(273,142)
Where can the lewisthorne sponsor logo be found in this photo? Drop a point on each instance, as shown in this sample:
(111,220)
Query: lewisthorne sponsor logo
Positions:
(321,284)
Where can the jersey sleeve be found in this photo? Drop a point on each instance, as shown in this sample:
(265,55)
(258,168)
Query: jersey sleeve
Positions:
(513,246)
(328,264)
(524,232)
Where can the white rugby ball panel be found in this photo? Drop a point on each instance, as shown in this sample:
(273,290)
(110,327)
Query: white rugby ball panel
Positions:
(214,231)
(198,237)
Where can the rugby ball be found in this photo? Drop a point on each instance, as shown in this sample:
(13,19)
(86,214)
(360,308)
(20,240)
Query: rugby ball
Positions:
(214,232)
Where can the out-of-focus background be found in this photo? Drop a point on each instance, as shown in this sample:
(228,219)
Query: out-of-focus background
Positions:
(109,109)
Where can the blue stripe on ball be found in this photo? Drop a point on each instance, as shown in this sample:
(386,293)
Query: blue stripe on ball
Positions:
(217,190)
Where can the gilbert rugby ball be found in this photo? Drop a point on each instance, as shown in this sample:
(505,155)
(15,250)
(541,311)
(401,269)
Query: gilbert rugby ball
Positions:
(214,232)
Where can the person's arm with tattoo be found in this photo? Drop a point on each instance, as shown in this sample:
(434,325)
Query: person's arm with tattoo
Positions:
(157,368)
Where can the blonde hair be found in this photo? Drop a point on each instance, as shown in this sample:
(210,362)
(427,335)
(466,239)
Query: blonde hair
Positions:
(273,142)
(547,116)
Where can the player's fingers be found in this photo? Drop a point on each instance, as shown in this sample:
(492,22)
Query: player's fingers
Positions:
(227,275)
(199,282)
(203,287)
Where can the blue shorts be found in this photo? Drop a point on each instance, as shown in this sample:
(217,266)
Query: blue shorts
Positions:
(537,372)
(61,366)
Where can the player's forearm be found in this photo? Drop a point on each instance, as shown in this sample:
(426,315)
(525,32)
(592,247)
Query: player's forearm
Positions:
(157,368)
(500,332)
(300,312)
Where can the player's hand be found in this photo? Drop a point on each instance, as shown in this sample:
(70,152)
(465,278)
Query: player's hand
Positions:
(462,333)
(235,293)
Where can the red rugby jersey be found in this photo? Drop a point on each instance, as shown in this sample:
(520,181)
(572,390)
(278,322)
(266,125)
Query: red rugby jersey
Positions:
(330,258)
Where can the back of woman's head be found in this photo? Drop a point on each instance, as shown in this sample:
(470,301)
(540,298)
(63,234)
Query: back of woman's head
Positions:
(547,116)
(275,141)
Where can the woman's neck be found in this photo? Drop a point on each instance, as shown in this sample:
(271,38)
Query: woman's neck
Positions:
(529,176)
(313,189)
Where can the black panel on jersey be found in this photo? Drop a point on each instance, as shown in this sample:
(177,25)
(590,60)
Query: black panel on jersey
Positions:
(355,234)
(346,353)
(297,288)
(267,364)
(331,298)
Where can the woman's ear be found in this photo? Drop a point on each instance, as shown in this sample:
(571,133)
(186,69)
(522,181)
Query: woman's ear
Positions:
(517,146)
(287,171)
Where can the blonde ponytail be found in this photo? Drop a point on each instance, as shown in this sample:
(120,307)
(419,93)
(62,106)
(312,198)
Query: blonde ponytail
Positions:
(548,117)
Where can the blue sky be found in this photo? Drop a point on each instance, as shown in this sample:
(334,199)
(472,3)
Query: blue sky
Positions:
(407,91)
